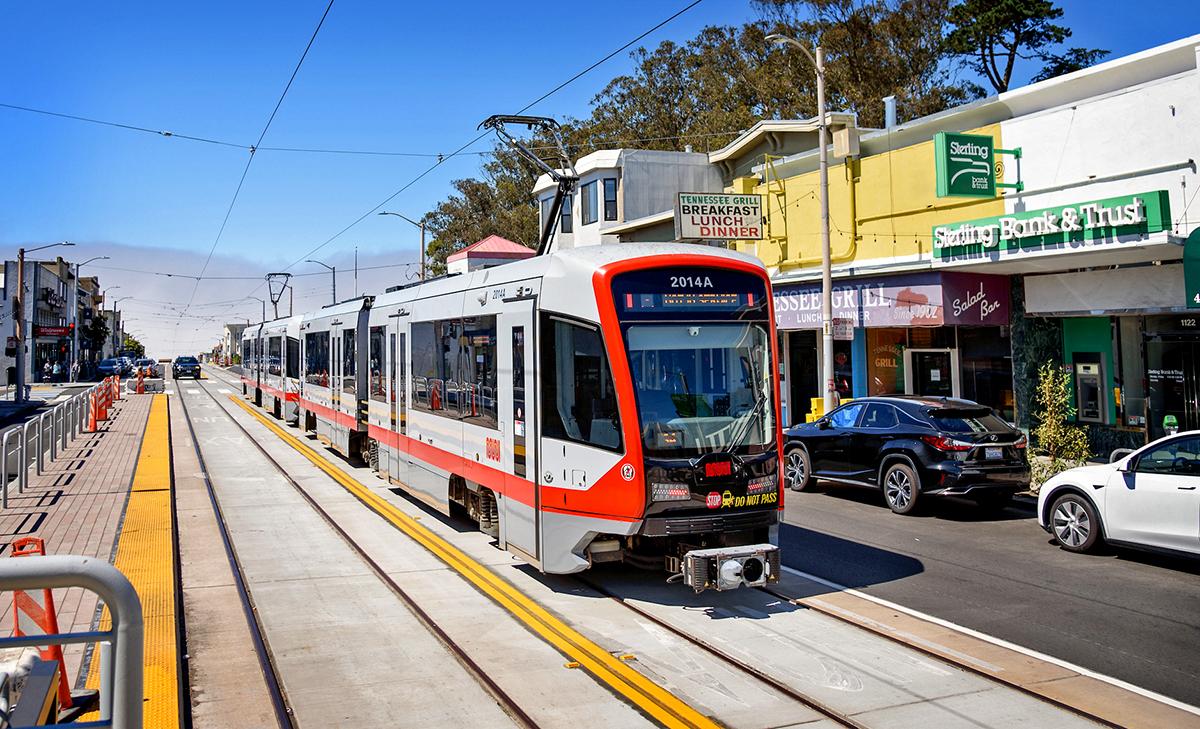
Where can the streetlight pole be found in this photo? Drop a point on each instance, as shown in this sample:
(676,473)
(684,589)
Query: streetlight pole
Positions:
(75,311)
(818,61)
(420,225)
(118,339)
(19,316)
(333,271)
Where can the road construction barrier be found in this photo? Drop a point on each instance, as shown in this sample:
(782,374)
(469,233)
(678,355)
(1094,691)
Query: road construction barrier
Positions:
(121,647)
(35,615)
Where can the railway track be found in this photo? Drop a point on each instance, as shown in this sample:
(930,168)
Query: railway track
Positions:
(506,702)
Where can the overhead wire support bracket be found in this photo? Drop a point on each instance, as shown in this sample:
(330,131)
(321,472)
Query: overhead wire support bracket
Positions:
(565,175)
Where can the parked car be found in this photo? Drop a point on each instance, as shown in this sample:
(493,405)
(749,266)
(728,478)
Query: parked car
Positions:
(185,366)
(147,366)
(1149,498)
(126,366)
(108,367)
(910,448)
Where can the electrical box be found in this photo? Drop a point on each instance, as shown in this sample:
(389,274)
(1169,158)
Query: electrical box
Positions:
(1091,406)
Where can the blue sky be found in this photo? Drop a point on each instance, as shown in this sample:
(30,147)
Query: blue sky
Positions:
(406,77)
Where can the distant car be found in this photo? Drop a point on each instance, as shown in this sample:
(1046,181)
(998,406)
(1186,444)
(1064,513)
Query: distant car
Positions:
(147,366)
(185,367)
(108,367)
(911,447)
(1149,498)
(126,366)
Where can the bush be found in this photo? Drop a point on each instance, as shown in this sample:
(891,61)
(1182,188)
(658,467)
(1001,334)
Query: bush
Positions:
(1061,445)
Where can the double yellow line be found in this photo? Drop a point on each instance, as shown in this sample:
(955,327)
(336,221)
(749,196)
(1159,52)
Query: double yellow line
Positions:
(643,693)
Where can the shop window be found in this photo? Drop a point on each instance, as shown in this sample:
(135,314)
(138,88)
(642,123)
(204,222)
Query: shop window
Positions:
(931,338)
(985,357)
(1130,376)
(885,361)
(843,369)
(546,203)
(564,225)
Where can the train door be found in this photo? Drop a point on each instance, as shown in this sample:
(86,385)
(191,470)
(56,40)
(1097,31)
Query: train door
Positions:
(399,415)
(522,505)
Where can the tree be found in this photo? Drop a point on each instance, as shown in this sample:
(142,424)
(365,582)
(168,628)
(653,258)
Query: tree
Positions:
(131,344)
(1060,444)
(873,49)
(990,35)
(96,333)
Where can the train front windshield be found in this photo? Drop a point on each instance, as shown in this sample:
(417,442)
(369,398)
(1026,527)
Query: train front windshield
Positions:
(699,356)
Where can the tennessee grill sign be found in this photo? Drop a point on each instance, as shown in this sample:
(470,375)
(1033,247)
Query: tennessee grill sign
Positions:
(718,216)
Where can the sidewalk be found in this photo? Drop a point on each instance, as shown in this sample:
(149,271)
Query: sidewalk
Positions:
(77,506)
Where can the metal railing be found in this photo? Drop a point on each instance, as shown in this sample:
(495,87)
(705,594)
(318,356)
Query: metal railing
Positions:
(121,646)
(49,434)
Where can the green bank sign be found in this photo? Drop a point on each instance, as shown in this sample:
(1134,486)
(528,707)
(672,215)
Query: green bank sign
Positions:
(965,165)
(1059,229)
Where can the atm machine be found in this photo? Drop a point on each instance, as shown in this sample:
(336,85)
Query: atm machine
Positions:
(1091,405)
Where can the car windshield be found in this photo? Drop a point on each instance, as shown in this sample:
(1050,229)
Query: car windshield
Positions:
(702,387)
(980,420)
(145,361)
(185,360)
(107,362)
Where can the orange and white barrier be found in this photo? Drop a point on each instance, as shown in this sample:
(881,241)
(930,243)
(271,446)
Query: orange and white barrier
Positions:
(34,614)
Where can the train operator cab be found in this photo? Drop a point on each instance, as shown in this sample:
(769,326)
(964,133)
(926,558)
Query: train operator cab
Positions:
(333,390)
(279,376)
(250,367)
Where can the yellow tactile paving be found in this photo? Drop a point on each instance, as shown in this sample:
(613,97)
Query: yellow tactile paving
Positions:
(144,555)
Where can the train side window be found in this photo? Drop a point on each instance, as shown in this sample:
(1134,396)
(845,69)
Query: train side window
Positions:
(478,371)
(316,362)
(245,354)
(348,359)
(292,363)
(579,401)
(378,364)
(424,370)
(274,355)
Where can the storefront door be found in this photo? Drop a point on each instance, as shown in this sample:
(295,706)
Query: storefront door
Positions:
(803,376)
(1173,372)
(931,372)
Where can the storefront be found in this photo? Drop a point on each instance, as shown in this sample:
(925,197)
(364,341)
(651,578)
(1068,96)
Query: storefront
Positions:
(928,333)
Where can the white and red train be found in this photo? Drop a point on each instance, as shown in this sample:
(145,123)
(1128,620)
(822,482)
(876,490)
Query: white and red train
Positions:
(611,403)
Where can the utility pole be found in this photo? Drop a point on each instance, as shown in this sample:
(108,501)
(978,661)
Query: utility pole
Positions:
(818,61)
(332,271)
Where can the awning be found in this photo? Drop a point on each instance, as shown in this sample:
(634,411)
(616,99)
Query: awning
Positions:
(928,299)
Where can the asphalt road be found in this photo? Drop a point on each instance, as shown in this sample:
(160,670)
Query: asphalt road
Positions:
(1130,615)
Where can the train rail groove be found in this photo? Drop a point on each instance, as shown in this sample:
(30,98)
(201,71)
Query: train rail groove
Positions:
(740,665)
(506,702)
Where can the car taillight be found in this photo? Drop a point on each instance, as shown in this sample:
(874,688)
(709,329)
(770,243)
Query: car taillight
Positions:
(942,443)
(1021,444)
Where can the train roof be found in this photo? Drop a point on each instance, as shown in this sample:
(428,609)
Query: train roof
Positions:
(579,260)
(349,306)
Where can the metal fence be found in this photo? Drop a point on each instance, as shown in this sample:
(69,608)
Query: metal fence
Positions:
(46,436)
(121,646)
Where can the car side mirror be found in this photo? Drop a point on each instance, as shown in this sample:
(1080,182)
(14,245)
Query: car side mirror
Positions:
(823,424)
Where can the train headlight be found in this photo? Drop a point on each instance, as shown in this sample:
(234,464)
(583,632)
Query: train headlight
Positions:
(670,491)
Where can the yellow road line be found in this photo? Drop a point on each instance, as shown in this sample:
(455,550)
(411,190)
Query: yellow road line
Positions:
(144,555)
(648,696)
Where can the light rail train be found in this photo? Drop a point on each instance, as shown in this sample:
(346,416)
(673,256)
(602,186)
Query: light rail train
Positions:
(602,404)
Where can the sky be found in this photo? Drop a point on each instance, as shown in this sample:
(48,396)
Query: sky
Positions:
(413,78)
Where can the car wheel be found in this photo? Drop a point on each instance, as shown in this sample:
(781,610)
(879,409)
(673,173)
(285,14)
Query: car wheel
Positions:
(1074,523)
(797,468)
(994,501)
(901,488)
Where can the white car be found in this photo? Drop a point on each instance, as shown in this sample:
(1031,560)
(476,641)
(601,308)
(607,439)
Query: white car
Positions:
(1149,498)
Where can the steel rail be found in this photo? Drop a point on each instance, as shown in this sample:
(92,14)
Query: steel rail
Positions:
(507,703)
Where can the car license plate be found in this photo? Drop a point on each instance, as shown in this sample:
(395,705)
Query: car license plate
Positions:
(993,453)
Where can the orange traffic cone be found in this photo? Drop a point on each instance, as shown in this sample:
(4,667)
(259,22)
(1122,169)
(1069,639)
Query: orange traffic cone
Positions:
(93,407)
(33,614)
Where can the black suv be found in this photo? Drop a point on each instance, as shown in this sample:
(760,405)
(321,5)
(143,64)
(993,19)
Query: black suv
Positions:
(910,447)
(188,366)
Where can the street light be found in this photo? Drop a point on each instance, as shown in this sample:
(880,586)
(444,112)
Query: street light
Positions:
(264,307)
(118,341)
(817,57)
(332,270)
(420,225)
(19,316)
(75,311)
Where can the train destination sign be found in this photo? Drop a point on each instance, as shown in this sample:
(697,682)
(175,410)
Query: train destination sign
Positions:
(718,216)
